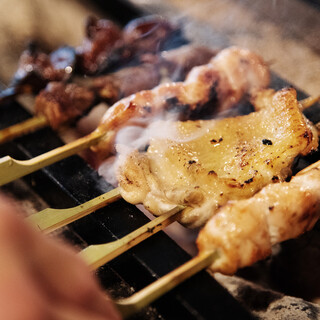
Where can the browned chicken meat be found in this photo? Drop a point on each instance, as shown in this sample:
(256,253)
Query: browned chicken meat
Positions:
(214,87)
(61,103)
(203,164)
(173,64)
(243,231)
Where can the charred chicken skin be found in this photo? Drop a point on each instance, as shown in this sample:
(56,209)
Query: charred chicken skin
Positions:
(61,103)
(205,163)
(244,231)
(214,87)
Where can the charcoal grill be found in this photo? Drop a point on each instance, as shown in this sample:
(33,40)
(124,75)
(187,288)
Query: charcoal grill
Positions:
(71,182)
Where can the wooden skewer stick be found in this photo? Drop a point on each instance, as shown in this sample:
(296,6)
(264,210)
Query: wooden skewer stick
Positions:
(40,121)
(155,290)
(315,165)
(98,255)
(22,128)
(11,169)
(308,102)
(50,219)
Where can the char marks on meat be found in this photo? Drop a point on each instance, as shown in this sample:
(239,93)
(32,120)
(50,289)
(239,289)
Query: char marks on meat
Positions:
(244,231)
(61,103)
(225,75)
(205,163)
(173,64)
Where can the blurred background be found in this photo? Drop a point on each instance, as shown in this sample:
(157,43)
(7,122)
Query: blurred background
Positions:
(285,32)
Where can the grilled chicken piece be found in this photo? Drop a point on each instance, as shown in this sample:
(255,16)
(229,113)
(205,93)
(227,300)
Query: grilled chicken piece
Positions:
(203,164)
(210,88)
(61,103)
(175,64)
(244,231)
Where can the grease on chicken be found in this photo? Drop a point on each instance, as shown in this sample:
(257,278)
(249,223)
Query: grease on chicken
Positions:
(61,103)
(203,164)
(174,64)
(211,88)
(244,231)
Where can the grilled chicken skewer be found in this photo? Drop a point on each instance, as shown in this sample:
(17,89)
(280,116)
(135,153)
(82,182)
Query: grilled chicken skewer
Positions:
(243,232)
(50,219)
(218,85)
(205,163)
(57,104)
(173,64)
(61,103)
(277,105)
(268,201)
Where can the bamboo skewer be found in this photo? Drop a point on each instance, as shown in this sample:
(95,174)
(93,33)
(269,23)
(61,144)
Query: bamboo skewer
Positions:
(308,102)
(12,169)
(38,122)
(155,290)
(50,219)
(22,128)
(97,255)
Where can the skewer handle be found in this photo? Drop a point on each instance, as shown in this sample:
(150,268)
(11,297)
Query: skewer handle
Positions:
(155,290)
(97,255)
(315,165)
(50,219)
(11,169)
(308,102)
(22,128)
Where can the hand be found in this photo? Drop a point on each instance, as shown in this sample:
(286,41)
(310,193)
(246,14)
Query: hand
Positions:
(42,279)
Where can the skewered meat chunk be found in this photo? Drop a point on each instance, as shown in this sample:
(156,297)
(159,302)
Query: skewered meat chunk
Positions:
(203,164)
(126,82)
(102,37)
(69,101)
(37,68)
(147,34)
(211,88)
(61,103)
(180,61)
(244,231)
(176,63)
(106,45)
